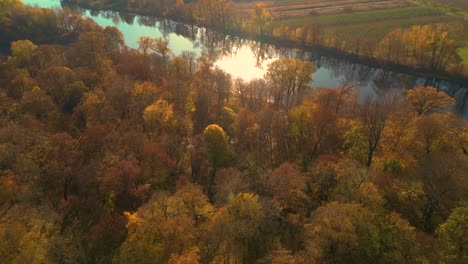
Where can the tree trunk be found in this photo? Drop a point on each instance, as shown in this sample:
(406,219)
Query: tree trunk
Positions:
(369,157)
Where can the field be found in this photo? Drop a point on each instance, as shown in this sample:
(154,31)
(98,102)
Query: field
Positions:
(368,18)
(297,8)
(373,24)
(462,4)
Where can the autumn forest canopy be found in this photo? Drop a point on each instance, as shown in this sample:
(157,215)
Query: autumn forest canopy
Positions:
(116,155)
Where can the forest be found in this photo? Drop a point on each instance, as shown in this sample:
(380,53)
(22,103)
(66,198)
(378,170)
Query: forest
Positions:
(116,155)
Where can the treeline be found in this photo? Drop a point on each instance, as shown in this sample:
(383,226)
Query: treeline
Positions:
(115,155)
(40,25)
(427,48)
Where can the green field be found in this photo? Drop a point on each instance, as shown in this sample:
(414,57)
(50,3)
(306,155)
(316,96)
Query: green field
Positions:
(377,23)
(374,24)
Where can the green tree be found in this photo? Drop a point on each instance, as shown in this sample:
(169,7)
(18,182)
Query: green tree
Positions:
(158,117)
(218,152)
(22,52)
(218,147)
(453,237)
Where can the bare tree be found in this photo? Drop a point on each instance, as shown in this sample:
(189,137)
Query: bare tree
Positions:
(374,114)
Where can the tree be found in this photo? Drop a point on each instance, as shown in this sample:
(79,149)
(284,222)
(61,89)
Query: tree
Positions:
(283,256)
(90,46)
(253,94)
(158,117)
(166,226)
(61,168)
(20,82)
(235,230)
(430,133)
(119,96)
(156,166)
(158,45)
(161,47)
(453,237)
(229,182)
(215,13)
(218,150)
(374,115)
(344,233)
(23,239)
(222,84)
(62,84)
(142,96)
(95,109)
(426,99)
(289,79)
(8,187)
(106,235)
(445,182)
(22,52)
(7,7)
(217,142)
(429,46)
(122,185)
(190,256)
(227,117)
(391,47)
(322,180)
(287,186)
(203,93)
(113,39)
(315,125)
(260,18)
(460,132)
(145,44)
(37,102)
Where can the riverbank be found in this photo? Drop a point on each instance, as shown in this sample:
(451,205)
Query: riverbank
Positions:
(282,43)
(372,62)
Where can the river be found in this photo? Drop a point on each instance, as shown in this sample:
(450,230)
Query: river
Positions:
(248,59)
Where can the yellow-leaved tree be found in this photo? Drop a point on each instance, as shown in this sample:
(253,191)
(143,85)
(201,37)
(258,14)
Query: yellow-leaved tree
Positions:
(158,117)
(427,99)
